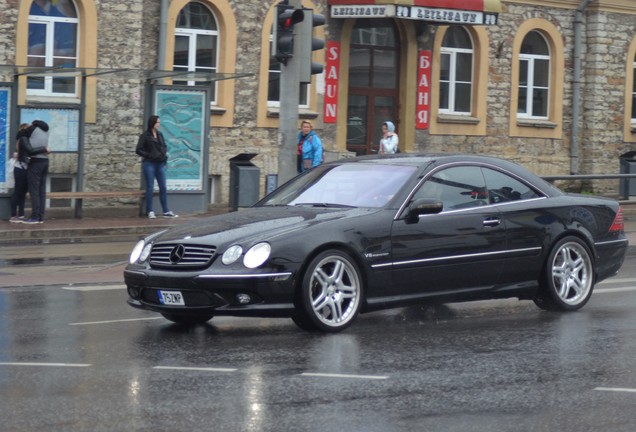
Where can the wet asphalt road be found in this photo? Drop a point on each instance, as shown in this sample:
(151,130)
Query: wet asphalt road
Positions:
(79,359)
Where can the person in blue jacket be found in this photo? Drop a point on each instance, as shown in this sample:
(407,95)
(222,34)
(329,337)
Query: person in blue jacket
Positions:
(309,147)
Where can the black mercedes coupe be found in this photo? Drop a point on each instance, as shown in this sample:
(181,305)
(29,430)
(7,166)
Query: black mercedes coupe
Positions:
(377,232)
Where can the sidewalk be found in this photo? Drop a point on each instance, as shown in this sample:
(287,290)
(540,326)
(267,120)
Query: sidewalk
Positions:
(73,251)
(90,250)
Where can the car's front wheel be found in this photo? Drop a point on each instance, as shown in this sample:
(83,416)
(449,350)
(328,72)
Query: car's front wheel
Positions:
(568,280)
(330,294)
(187,319)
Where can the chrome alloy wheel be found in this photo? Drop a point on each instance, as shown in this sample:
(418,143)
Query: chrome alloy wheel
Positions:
(332,291)
(572,273)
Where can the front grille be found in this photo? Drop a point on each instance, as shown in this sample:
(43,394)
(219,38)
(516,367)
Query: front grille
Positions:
(181,255)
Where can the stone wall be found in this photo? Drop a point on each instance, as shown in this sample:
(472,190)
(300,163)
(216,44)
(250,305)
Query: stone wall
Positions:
(608,37)
(128,35)
(544,156)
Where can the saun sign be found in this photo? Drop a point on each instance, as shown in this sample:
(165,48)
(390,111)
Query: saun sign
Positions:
(332,74)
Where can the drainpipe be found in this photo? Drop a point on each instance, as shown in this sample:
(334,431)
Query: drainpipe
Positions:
(576,90)
(163,29)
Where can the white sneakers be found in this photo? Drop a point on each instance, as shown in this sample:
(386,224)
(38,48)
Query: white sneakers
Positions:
(152,215)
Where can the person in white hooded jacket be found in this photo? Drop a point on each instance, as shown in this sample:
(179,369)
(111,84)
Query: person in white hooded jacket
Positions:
(389,141)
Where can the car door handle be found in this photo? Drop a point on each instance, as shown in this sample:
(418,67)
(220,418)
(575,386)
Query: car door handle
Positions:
(491,222)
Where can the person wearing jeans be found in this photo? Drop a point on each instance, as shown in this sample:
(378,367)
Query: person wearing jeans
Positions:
(152,148)
(37,146)
(21,157)
(152,171)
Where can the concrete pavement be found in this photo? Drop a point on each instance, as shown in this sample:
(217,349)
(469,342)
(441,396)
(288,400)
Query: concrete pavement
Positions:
(90,250)
(73,251)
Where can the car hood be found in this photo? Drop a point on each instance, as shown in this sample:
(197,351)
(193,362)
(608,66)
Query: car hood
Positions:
(257,223)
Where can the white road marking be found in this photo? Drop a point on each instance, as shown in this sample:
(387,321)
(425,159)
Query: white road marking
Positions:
(115,321)
(614,290)
(45,364)
(205,369)
(616,389)
(95,288)
(618,280)
(333,375)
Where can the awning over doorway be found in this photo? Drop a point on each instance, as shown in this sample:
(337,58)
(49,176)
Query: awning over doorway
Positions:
(477,12)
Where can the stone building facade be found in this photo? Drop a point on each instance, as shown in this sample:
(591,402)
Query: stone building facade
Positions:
(125,39)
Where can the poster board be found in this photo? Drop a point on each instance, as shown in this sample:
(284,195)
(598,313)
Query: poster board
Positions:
(182,114)
(5,137)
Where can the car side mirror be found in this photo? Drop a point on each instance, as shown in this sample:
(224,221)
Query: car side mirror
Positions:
(423,207)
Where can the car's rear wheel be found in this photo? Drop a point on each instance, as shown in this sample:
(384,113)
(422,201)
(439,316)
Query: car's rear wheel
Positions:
(568,280)
(331,293)
(187,319)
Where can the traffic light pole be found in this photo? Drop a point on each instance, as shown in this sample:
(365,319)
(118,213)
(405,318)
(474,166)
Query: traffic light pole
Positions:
(288,111)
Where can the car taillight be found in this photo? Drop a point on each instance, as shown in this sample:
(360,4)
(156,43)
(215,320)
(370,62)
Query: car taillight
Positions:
(619,222)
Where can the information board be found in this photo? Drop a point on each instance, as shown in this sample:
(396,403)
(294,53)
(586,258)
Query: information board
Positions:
(63,126)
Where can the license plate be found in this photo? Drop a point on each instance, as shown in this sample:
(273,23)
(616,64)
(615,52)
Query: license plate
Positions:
(171,298)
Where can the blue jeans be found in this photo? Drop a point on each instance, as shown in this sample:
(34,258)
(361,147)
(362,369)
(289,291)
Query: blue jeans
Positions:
(152,171)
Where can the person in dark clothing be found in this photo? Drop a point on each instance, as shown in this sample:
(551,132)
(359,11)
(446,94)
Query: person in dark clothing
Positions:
(152,148)
(36,145)
(20,176)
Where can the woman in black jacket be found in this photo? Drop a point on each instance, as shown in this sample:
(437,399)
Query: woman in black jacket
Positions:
(20,175)
(152,148)
(22,155)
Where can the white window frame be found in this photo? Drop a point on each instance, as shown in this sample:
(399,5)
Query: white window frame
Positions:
(50,22)
(529,89)
(452,78)
(192,35)
(276,103)
(633,119)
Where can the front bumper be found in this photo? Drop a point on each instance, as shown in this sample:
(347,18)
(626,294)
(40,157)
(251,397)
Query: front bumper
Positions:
(268,294)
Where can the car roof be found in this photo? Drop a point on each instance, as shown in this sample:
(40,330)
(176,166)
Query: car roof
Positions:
(422,160)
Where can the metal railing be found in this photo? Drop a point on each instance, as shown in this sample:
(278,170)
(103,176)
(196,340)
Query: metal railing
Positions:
(623,188)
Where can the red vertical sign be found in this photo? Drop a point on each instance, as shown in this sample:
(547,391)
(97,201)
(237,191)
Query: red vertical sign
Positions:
(423,108)
(331,82)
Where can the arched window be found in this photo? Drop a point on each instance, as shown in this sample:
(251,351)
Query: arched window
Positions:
(534,77)
(196,42)
(456,72)
(53,42)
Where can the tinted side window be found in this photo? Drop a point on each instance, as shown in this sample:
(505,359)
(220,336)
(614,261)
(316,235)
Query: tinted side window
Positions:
(457,188)
(503,188)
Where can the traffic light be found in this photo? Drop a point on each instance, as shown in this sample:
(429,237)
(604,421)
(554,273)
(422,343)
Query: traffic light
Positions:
(308,44)
(286,18)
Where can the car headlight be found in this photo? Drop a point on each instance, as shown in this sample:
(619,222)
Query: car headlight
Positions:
(136,252)
(142,249)
(145,252)
(257,255)
(231,255)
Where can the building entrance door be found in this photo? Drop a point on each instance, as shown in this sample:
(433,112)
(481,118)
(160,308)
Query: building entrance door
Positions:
(373,83)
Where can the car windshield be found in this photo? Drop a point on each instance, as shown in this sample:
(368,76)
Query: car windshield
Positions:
(347,185)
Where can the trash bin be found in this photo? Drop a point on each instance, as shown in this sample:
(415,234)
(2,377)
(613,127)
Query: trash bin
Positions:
(244,181)
(628,166)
